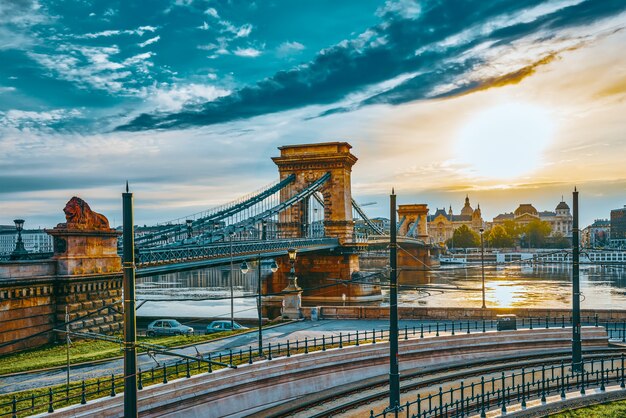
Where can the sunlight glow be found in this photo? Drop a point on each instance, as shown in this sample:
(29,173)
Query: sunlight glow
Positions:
(505,141)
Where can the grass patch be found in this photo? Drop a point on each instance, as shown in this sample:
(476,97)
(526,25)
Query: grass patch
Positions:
(608,410)
(54,355)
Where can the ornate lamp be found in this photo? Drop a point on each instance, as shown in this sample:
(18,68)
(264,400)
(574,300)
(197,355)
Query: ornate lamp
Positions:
(19,251)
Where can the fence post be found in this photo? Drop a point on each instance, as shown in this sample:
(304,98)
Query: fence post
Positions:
(357,337)
(452,327)
(188,373)
(562,321)
(437,333)
(83,397)
(482,394)
(210,364)
(288,349)
(503,395)
(547,322)
(622,367)
(422,331)
(250,354)
(340,340)
(483,324)
(596,318)
(523,388)
(112,385)
(269,351)
(406,332)
(582,378)
(562,380)
(324,342)
(140,383)
(462,400)
(602,387)
(543,384)
(230,357)
(419,404)
(164,373)
(50,407)
(306,345)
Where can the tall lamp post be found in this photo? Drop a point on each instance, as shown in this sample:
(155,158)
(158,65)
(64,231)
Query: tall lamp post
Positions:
(482,261)
(244,270)
(577,356)
(232,295)
(189,223)
(19,250)
(394,375)
(130,325)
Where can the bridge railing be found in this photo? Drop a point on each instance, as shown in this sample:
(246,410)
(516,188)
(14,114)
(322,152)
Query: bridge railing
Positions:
(80,392)
(180,254)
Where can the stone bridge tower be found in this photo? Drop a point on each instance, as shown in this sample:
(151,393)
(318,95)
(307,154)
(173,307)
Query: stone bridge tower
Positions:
(309,162)
(414,213)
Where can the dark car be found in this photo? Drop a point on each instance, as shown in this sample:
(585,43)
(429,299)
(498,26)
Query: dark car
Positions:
(168,327)
(219,326)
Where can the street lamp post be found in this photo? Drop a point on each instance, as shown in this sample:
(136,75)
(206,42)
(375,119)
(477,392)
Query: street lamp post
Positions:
(244,270)
(232,295)
(20,250)
(482,261)
(394,375)
(577,356)
(189,227)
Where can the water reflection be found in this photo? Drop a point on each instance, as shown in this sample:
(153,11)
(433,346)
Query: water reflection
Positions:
(532,286)
(517,286)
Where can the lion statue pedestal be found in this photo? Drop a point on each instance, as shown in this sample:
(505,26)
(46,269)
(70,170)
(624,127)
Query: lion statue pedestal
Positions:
(85,244)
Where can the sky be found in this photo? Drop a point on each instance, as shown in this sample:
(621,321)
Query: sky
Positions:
(506,101)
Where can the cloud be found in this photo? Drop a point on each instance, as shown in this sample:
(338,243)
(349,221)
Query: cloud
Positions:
(247,52)
(22,119)
(212,12)
(174,97)
(244,31)
(149,41)
(114,32)
(289,48)
(450,50)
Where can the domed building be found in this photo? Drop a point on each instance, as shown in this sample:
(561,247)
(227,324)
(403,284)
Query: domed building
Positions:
(560,220)
(442,224)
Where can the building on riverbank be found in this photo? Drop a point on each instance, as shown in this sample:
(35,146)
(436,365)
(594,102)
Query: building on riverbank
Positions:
(618,227)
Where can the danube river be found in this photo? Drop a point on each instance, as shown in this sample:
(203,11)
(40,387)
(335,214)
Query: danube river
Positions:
(538,286)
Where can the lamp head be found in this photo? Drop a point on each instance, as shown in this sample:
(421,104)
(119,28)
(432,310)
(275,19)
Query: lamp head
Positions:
(244,267)
(292,254)
(19,224)
(274,267)
(481,230)
(189,222)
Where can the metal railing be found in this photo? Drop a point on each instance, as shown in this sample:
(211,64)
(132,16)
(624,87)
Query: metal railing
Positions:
(80,392)
(514,388)
(171,255)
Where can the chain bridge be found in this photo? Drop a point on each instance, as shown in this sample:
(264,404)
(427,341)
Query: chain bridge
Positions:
(309,208)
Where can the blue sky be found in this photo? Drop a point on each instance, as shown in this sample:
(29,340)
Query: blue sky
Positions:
(188,100)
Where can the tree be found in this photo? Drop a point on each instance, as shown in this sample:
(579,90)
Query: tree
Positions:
(536,232)
(499,238)
(512,229)
(464,237)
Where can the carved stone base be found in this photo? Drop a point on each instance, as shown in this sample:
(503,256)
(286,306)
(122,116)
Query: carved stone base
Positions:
(80,252)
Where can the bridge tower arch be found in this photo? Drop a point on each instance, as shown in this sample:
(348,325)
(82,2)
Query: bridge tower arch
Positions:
(414,213)
(309,162)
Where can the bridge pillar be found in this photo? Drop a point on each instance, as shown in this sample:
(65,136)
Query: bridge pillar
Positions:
(414,213)
(309,162)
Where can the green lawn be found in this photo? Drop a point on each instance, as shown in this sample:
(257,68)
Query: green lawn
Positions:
(81,351)
(608,410)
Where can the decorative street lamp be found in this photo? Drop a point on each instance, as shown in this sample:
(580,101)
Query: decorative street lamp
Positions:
(293,280)
(232,296)
(482,261)
(244,269)
(189,227)
(19,251)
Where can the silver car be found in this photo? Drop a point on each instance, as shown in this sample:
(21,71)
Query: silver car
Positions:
(219,326)
(168,327)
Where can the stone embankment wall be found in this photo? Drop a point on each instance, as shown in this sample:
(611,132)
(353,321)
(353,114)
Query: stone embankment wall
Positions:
(33,301)
(375,312)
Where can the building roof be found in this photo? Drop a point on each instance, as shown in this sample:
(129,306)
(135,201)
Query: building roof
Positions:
(601,222)
(525,208)
(503,216)
(546,213)
(562,205)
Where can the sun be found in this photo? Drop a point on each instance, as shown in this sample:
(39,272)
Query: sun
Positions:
(505,141)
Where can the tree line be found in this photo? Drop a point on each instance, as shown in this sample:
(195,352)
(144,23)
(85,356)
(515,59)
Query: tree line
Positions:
(535,234)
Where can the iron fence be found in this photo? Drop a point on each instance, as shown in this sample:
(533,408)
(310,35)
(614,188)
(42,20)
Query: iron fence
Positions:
(51,398)
(514,388)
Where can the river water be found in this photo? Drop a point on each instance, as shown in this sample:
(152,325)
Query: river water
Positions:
(537,286)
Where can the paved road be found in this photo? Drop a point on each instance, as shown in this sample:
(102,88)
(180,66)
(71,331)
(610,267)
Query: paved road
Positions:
(280,334)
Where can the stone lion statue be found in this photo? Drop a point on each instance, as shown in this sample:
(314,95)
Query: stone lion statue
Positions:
(80,216)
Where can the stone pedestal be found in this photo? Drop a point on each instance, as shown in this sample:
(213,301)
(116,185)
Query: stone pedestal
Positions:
(79,252)
(292,302)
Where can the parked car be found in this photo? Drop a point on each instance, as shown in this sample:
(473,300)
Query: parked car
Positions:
(167,327)
(219,326)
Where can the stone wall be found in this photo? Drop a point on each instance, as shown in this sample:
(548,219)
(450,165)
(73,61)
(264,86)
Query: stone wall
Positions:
(374,312)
